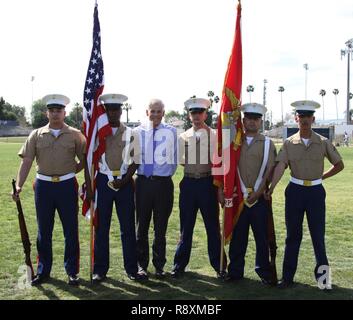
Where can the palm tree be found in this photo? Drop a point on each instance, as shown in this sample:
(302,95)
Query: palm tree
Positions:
(336,92)
(322,94)
(250,89)
(281,90)
(212,97)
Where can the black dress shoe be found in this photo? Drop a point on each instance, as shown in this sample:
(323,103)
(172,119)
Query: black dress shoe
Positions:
(96,278)
(324,287)
(142,274)
(230,278)
(266,282)
(221,275)
(39,279)
(137,276)
(160,273)
(74,280)
(132,276)
(177,273)
(284,284)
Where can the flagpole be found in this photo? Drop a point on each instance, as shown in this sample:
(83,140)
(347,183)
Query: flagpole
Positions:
(222,244)
(91,229)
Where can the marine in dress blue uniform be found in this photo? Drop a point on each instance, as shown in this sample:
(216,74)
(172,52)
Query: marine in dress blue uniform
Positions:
(304,154)
(55,148)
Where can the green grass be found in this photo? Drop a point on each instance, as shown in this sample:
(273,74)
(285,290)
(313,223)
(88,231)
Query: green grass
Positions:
(199,282)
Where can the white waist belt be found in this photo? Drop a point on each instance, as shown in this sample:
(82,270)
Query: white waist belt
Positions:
(108,172)
(306,183)
(55,178)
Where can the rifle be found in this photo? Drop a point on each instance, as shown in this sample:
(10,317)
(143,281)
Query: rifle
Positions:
(24,235)
(272,244)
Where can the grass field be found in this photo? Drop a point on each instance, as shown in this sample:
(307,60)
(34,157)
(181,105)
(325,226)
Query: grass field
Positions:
(199,282)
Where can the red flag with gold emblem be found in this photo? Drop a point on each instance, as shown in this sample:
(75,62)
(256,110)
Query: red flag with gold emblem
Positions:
(229,135)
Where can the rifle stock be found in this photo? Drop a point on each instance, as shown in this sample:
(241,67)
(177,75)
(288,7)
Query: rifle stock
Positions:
(24,233)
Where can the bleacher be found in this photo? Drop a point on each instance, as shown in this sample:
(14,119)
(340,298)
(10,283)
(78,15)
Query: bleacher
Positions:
(14,131)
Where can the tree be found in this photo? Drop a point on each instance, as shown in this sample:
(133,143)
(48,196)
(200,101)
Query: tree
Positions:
(210,113)
(250,88)
(322,94)
(12,112)
(281,90)
(172,115)
(268,125)
(186,118)
(7,112)
(39,114)
(212,98)
(2,103)
(336,92)
(74,119)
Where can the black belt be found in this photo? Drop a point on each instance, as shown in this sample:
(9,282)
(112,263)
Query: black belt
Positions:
(197,175)
(154,177)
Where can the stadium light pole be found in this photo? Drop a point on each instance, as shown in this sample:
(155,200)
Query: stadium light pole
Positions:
(127,107)
(32,80)
(348,51)
(306,67)
(264,103)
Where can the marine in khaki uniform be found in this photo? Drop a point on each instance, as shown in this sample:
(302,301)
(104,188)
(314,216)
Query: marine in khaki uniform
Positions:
(304,154)
(257,160)
(115,186)
(197,190)
(55,148)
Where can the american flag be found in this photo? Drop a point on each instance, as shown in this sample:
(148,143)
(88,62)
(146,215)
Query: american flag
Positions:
(95,121)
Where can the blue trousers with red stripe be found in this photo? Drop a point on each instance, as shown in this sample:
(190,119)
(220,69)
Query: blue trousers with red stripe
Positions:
(63,197)
(301,199)
(125,207)
(198,194)
(257,218)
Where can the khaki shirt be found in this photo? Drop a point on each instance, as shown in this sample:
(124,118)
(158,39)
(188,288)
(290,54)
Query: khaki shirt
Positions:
(196,153)
(251,157)
(115,145)
(54,156)
(307,162)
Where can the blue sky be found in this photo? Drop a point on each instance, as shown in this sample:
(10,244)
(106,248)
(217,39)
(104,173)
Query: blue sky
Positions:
(174,49)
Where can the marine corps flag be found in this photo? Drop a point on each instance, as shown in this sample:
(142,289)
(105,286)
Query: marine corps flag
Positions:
(230,132)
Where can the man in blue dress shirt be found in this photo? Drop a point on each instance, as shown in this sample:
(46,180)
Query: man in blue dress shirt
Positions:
(154,186)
